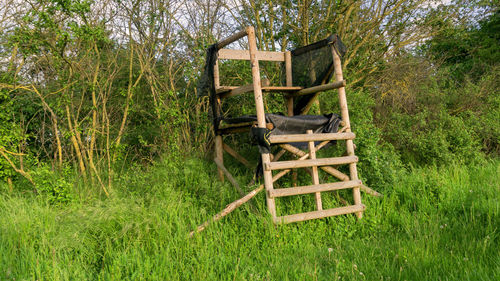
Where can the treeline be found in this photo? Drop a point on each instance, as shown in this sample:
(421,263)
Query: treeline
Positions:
(87,85)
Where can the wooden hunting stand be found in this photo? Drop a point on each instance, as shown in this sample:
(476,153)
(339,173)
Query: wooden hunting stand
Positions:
(305,159)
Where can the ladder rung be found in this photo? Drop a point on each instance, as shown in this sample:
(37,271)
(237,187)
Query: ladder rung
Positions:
(313,188)
(321,214)
(281,165)
(311,137)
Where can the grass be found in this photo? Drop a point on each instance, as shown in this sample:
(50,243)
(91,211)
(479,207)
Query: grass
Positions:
(433,224)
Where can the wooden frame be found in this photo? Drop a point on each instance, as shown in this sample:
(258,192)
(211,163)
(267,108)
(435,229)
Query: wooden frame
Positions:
(306,160)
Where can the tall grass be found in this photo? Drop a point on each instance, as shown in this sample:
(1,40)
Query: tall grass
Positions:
(433,224)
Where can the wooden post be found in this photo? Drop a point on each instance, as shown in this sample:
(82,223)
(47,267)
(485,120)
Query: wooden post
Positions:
(226,41)
(261,118)
(315,177)
(219,155)
(289,99)
(345,118)
(289,81)
(216,74)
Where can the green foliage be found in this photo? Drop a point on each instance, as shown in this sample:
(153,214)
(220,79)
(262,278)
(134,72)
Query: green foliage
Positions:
(432,138)
(11,135)
(55,186)
(380,161)
(467,51)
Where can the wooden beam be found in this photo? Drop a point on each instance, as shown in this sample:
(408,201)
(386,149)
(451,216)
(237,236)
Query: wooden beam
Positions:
(236,155)
(311,137)
(225,91)
(219,154)
(237,91)
(216,75)
(314,173)
(228,40)
(240,129)
(353,171)
(321,214)
(320,88)
(310,163)
(307,189)
(261,117)
(281,88)
(240,90)
(228,54)
(229,176)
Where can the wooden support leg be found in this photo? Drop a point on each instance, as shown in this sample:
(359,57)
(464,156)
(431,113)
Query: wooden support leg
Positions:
(261,118)
(345,118)
(315,177)
(219,155)
(236,155)
(230,177)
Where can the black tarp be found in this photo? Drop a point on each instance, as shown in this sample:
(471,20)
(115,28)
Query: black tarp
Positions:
(286,125)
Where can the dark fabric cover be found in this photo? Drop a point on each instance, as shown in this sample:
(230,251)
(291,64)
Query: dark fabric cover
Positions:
(284,125)
(206,85)
(312,65)
(287,125)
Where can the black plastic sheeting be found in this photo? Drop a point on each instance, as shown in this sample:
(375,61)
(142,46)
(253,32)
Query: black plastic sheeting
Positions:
(206,85)
(312,65)
(286,125)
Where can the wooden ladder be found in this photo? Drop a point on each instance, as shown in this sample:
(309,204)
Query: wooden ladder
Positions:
(350,181)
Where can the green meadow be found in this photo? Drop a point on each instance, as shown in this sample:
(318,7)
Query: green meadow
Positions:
(432,224)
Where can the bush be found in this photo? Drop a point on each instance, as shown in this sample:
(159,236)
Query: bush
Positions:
(55,186)
(379,162)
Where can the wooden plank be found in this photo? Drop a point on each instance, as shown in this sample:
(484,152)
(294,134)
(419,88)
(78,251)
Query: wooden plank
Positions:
(320,88)
(216,75)
(240,129)
(261,118)
(281,88)
(227,54)
(225,91)
(310,163)
(233,91)
(314,174)
(353,171)
(228,40)
(289,81)
(236,155)
(236,125)
(288,68)
(311,137)
(237,91)
(307,189)
(321,214)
